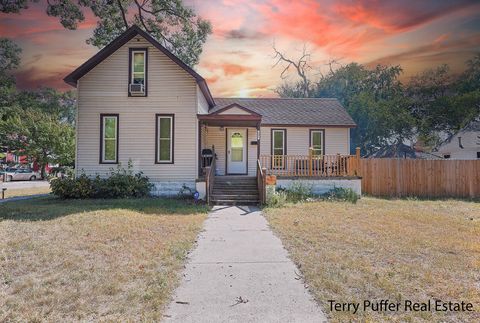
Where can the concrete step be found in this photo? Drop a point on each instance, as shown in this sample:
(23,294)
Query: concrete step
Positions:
(252,187)
(221,191)
(234,197)
(235,202)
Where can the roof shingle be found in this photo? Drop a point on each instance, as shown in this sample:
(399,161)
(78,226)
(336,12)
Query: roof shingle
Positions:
(293,111)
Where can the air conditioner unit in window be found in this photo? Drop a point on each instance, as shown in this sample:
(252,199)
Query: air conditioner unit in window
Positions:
(137,89)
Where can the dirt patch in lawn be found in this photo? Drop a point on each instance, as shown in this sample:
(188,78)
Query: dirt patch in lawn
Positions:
(386,249)
(92,259)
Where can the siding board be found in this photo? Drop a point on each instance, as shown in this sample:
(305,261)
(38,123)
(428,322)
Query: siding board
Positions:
(104,89)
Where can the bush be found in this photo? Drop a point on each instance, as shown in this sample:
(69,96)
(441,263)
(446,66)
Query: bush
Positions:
(276,199)
(121,183)
(72,188)
(299,192)
(341,194)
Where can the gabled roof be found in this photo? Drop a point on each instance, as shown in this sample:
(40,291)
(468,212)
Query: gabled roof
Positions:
(473,125)
(293,112)
(401,151)
(121,40)
(234,105)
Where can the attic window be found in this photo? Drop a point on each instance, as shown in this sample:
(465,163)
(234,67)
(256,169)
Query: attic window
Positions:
(137,76)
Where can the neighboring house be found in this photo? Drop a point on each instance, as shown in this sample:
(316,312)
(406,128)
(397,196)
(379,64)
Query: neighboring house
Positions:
(402,151)
(465,144)
(139,102)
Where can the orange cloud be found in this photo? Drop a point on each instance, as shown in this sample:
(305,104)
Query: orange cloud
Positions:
(230,69)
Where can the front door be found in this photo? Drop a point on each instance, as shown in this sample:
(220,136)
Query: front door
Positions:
(236,151)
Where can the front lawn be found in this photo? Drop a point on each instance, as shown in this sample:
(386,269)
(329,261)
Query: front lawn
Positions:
(110,260)
(386,249)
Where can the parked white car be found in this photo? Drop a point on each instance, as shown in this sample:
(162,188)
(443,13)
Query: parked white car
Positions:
(21,174)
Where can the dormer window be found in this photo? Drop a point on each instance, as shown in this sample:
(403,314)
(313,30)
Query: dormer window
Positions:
(137,84)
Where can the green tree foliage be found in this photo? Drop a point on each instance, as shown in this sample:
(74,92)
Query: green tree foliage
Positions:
(387,111)
(38,135)
(173,24)
(40,124)
(9,62)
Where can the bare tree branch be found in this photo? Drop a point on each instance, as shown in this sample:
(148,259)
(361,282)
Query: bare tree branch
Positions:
(123,14)
(301,66)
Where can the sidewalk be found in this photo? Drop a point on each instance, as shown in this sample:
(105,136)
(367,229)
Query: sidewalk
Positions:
(240,272)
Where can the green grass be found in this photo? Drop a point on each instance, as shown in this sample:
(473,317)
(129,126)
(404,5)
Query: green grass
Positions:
(113,260)
(386,249)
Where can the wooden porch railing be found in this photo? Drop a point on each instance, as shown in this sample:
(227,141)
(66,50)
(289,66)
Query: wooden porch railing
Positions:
(312,166)
(261,182)
(210,178)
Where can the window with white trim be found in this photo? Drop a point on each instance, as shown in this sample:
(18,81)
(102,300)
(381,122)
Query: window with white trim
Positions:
(165,132)
(109,152)
(278,147)
(316,142)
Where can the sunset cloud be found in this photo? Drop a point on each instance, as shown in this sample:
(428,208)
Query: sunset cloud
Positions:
(238,57)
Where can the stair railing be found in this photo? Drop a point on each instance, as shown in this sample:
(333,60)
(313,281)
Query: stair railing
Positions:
(210,177)
(261,182)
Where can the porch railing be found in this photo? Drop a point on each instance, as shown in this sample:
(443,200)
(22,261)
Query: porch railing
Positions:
(311,165)
(210,178)
(261,182)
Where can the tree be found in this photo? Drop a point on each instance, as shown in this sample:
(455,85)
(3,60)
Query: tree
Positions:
(38,136)
(443,103)
(302,68)
(39,125)
(373,97)
(174,25)
(9,61)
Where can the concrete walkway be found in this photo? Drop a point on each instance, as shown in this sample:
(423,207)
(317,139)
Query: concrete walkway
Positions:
(240,272)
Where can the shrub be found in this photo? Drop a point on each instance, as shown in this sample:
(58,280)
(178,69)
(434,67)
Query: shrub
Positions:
(298,192)
(341,194)
(72,188)
(276,199)
(121,183)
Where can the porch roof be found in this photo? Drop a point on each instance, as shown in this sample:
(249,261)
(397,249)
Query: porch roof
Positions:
(230,120)
(232,115)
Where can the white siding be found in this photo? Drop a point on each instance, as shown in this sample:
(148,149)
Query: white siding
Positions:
(236,111)
(170,90)
(337,140)
(470,143)
(216,137)
(202,102)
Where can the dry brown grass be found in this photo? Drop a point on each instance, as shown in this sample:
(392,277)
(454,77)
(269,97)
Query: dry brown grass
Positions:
(14,192)
(113,260)
(386,249)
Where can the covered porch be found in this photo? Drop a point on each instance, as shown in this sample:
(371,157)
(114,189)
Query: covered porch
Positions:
(229,142)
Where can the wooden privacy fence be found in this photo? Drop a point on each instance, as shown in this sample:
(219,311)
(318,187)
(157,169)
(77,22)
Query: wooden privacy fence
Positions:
(423,178)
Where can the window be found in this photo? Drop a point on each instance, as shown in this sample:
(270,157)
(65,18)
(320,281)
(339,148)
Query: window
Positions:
(317,141)
(478,154)
(109,138)
(447,156)
(164,143)
(279,147)
(237,147)
(138,71)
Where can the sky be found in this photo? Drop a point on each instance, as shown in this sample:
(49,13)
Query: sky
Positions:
(238,57)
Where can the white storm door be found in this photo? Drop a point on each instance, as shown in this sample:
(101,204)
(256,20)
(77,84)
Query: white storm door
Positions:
(236,151)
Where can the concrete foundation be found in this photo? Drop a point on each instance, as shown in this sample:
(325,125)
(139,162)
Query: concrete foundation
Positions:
(171,188)
(321,186)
